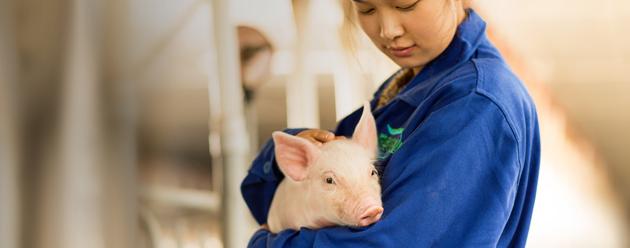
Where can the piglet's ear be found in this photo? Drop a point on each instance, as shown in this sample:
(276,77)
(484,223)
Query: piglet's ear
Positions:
(294,155)
(365,131)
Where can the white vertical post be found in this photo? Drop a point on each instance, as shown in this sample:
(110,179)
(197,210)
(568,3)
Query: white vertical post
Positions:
(80,201)
(118,95)
(302,102)
(88,192)
(349,88)
(234,138)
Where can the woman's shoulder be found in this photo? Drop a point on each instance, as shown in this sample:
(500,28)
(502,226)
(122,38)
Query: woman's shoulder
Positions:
(492,80)
(495,79)
(491,77)
(497,82)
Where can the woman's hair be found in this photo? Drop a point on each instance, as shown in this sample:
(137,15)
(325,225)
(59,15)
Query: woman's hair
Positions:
(348,30)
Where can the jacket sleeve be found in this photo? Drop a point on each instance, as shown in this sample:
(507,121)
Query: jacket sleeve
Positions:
(451,184)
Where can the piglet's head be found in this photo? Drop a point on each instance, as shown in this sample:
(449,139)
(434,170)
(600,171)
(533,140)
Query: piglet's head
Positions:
(340,174)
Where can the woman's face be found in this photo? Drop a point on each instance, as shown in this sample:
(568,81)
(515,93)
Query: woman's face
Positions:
(410,32)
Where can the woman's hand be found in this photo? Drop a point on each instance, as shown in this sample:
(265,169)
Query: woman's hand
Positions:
(319,136)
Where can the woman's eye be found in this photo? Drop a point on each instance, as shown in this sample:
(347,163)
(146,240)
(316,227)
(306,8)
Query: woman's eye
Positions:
(329,180)
(366,12)
(374,172)
(410,7)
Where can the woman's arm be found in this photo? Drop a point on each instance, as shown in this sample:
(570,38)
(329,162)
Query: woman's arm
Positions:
(452,184)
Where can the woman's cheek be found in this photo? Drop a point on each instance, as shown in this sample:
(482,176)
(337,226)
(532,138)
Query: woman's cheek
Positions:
(372,30)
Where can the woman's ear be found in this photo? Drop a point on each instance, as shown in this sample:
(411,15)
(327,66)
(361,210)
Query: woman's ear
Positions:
(365,131)
(294,155)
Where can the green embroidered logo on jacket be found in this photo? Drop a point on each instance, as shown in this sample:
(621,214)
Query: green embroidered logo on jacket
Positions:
(389,142)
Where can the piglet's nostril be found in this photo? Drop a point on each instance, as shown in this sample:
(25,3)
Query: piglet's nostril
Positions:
(371,215)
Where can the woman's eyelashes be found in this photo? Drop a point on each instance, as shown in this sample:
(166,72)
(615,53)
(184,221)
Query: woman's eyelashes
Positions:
(408,7)
(367,11)
(405,8)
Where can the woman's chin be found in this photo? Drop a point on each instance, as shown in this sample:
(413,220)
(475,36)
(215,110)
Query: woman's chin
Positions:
(408,62)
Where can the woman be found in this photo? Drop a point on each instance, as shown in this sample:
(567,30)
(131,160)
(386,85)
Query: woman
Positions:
(459,143)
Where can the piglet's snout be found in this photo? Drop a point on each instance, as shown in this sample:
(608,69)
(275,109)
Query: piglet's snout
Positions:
(370,215)
(370,212)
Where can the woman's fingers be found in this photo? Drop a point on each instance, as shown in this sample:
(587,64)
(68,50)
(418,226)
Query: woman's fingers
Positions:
(324,136)
(317,136)
(314,141)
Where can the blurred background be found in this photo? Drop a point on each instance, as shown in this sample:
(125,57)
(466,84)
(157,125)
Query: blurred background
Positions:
(132,123)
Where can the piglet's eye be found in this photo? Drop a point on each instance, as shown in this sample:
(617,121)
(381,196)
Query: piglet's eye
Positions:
(330,180)
(374,172)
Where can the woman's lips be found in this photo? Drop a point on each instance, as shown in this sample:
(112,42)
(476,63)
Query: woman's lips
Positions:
(401,52)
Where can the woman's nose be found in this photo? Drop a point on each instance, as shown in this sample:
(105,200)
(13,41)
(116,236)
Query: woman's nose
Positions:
(391,28)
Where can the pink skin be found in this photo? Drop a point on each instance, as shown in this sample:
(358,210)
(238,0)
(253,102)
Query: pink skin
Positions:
(335,184)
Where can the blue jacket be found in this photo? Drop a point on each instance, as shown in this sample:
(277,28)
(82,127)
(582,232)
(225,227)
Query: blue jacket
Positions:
(459,154)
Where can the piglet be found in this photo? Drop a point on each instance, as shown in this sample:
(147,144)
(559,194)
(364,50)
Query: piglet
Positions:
(332,184)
